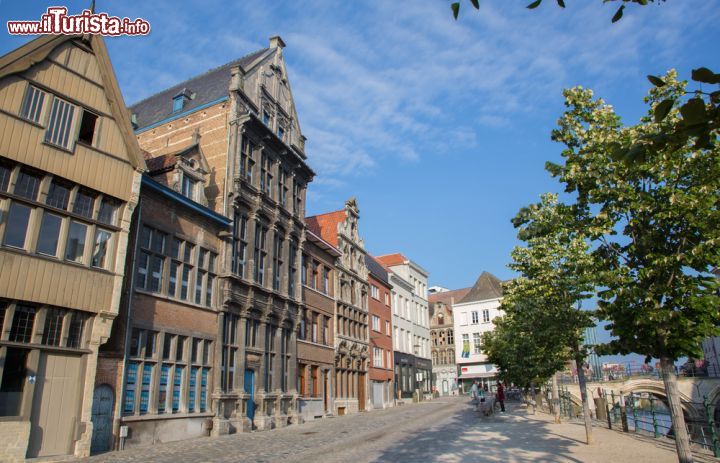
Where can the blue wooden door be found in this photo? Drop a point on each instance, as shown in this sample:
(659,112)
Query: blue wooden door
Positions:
(102,409)
(250,389)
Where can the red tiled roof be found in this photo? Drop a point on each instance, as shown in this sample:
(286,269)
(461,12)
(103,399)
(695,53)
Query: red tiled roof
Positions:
(449,297)
(392,259)
(325,225)
(160,162)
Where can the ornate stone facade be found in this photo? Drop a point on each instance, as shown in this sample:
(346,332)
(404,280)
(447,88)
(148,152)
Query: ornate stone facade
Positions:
(340,228)
(243,118)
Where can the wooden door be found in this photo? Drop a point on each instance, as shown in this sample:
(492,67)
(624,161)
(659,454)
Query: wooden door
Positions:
(361,391)
(250,390)
(55,407)
(102,417)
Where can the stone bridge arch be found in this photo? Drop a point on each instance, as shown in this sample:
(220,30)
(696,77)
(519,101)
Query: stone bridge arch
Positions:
(692,407)
(657,388)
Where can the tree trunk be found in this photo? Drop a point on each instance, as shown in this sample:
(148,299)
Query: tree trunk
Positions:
(555,399)
(682,440)
(533,395)
(579,360)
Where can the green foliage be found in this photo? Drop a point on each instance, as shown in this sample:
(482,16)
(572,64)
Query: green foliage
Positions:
(543,326)
(520,354)
(649,197)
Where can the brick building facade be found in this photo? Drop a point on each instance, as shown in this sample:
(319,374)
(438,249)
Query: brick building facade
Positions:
(242,117)
(340,228)
(381,346)
(164,345)
(411,327)
(316,338)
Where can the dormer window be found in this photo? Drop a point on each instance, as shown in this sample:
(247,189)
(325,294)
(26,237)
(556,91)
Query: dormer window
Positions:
(188,187)
(281,132)
(266,118)
(181,99)
(178,103)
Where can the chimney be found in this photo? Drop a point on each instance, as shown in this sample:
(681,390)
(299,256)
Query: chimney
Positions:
(276,42)
(236,77)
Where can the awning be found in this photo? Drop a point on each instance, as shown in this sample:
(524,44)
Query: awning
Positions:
(477,375)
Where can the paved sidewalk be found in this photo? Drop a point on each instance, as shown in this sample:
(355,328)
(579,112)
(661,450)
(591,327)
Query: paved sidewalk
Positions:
(443,430)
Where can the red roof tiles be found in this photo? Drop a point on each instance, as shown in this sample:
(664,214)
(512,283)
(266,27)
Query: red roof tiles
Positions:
(159,163)
(392,259)
(449,297)
(325,225)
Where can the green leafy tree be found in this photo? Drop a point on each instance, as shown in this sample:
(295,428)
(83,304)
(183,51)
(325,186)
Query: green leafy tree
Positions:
(649,195)
(556,273)
(525,348)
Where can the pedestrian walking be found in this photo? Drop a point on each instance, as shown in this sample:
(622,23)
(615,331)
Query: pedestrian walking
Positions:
(474,394)
(500,396)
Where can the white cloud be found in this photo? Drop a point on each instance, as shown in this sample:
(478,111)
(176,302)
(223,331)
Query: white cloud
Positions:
(377,81)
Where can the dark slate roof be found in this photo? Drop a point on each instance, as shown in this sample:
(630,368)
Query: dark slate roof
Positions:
(207,87)
(377,270)
(487,286)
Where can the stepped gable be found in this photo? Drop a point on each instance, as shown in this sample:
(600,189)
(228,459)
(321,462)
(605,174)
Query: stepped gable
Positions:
(326,225)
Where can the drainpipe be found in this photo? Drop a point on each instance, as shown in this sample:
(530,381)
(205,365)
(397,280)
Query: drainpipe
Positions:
(128,329)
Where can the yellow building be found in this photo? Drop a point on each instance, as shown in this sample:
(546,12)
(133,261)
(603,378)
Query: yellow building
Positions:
(69,180)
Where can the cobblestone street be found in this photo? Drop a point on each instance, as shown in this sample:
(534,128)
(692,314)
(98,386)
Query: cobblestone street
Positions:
(444,430)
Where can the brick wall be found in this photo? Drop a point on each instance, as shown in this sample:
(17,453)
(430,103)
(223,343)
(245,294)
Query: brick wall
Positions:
(380,339)
(211,124)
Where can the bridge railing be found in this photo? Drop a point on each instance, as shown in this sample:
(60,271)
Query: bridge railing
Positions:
(628,371)
(645,414)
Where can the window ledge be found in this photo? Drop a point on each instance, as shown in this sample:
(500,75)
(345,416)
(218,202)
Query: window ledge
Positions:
(327,346)
(57,260)
(58,147)
(34,345)
(175,300)
(166,416)
(317,291)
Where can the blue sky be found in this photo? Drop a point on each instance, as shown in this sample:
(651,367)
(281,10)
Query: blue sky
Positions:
(440,128)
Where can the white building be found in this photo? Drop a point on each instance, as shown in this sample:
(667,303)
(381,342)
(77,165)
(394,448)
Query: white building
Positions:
(473,316)
(437,289)
(411,325)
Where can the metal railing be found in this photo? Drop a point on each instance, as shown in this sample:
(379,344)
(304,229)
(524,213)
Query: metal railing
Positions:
(645,414)
(629,370)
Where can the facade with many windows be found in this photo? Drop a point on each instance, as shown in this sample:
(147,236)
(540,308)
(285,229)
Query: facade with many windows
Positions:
(340,228)
(162,351)
(316,338)
(382,393)
(242,117)
(69,181)
(411,325)
(472,316)
(442,338)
